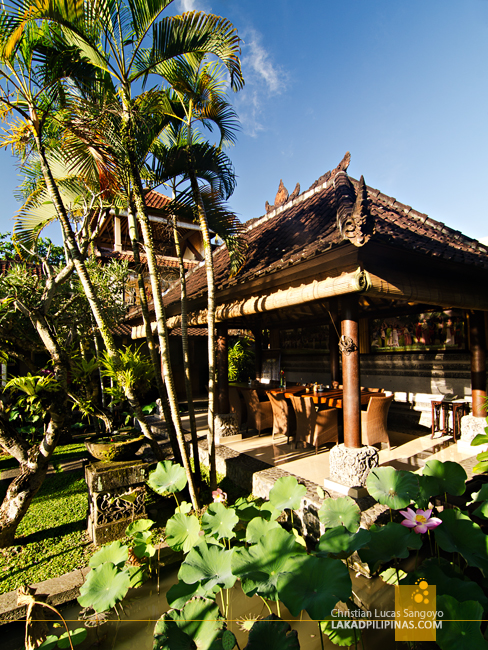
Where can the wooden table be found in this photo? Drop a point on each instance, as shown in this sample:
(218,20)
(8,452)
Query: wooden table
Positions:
(333,398)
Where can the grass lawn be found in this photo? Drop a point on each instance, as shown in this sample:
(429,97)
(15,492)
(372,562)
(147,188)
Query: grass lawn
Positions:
(62,453)
(51,539)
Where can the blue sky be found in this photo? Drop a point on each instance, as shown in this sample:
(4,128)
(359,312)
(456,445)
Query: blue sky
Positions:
(401,85)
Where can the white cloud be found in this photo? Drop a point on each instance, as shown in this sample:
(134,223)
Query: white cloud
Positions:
(263,80)
(193,5)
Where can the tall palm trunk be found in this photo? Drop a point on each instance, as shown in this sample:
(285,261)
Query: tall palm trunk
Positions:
(143,219)
(202,218)
(186,358)
(163,395)
(86,283)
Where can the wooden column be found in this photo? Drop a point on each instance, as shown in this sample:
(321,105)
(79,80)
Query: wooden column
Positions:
(478,362)
(222,369)
(351,403)
(258,350)
(117,235)
(334,326)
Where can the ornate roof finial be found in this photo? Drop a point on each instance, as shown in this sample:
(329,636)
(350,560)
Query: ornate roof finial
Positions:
(354,219)
(281,196)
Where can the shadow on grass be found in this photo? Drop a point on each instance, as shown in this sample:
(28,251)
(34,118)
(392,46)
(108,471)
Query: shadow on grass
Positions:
(48,533)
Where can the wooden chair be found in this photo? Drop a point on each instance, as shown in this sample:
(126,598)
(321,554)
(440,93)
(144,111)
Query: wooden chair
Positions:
(315,427)
(284,420)
(373,420)
(237,405)
(259,414)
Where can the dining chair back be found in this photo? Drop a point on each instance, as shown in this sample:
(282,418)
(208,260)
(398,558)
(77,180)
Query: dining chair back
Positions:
(374,420)
(284,420)
(314,427)
(259,414)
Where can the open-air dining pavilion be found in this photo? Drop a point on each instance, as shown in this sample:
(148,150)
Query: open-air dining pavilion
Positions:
(395,298)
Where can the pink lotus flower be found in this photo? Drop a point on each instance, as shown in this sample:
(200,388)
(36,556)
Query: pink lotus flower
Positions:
(219,496)
(420,521)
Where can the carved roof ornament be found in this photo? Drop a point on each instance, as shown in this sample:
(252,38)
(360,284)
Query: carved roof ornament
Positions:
(354,219)
(282,197)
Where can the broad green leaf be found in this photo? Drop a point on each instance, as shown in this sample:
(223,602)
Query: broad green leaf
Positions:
(260,565)
(460,625)
(258,527)
(141,545)
(139,526)
(458,534)
(116,553)
(49,643)
(137,575)
(449,581)
(451,476)
(209,565)
(391,487)
(320,492)
(247,511)
(481,511)
(286,493)
(339,542)
(180,593)
(316,586)
(480,439)
(182,532)
(184,508)
(198,625)
(269,512)
(104,587)
(429,486)
(273,634)
(219,521)
(388,542)
(77,636)
(340,512)
(482,464)
(167,478)
(481,495)
(393,576)
(341,636)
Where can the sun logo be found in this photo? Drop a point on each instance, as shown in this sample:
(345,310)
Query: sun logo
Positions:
(420,595)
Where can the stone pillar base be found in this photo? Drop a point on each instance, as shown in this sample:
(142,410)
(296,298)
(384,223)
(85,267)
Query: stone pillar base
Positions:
(226,428)
(350,467)
(471,426)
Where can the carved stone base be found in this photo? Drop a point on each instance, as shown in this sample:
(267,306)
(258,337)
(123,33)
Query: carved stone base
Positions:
(350,467)
(471,426)
(226,428)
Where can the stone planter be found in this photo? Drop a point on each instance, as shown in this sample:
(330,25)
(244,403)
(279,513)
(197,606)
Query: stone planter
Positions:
(114,448)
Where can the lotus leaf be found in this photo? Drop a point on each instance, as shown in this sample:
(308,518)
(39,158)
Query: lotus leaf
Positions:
(182,532)
(167,478)
(393,575)
(141,546)
(482,465)
(339,542)
(391,487)
(269,512)
(449,581)
(116,553)
(139,526)
(137,575)
(340,512)
(180,593)
(275,635)
(460,625)
(184,508)
(429,486)
(219,521)
(480,439)
(482,511)
(340,636)
(77,636)
(387,542)
(481,495)
(458,534)
(258,527)
(200,623)
(316,585)
(260,565)
(104,587)
(228,640)
(209,565)
(246,511)
(286,493)
(451,476)
(49,643)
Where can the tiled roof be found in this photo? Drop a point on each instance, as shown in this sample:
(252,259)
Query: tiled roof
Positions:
(155,200)
(307,226)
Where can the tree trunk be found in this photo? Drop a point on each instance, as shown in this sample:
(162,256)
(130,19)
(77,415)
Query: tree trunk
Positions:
(202,217)
(163,395)
(186,359)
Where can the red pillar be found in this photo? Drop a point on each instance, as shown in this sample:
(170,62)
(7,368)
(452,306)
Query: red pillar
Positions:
(351,403)
(222,369)
(478,362)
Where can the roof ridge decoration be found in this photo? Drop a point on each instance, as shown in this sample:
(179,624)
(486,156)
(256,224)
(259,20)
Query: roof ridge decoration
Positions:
(354,219)
(282,197)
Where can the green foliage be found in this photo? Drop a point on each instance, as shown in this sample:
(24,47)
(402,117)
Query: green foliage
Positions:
(241,360)
(340,512)
(219,521)
(132,369)
(387,542)
(273,634)
(104,587)
(461,628)
(167,478)
(458,534)
(393,488)
(450,476)
(286,493)
(182,532)
(9,250)
(198,625)
(339,542)
(209,565)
